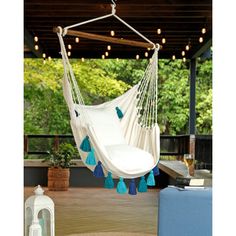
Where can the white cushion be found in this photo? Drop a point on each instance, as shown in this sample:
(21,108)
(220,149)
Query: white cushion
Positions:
(130,159)
(106,125)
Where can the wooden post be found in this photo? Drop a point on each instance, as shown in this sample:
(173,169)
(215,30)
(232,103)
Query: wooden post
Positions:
(105,38)
(56,143)
(192,152)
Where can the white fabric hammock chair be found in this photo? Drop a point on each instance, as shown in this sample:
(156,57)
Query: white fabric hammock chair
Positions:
(120,137)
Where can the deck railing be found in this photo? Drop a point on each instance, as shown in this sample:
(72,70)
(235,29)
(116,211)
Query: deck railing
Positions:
(39,145)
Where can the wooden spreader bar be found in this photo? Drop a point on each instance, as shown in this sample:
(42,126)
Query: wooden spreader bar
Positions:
(105,38)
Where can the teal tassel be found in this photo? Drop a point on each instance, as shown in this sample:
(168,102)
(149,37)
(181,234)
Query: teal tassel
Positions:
(90,160)
(119,113)
(142,186)
(151,179)
(85,145)
(121,187)
(109,183)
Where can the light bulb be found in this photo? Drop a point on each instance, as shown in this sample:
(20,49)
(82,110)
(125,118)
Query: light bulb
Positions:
(36,39)
(69,46)
(146,54)
(44,61)
(44,55)
(183,53)
(173,57)
(163,40)
(203,30)
(137,57)
(82,59)
(69,54)
(187,47)
(108,47)
(36,47)
(112,33)
(117,59)
(184,59)
(158,31)
(200,39)
(103,56)
(49,58)
(106,54)
(148,49)
(77,40)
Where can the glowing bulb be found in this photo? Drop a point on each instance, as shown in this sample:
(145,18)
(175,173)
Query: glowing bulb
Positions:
(108,47)
(44,55)
(184,59)
(106,54)
(146,54)
(49,58)
(36,39)
(203,30)
(77,40)
(163,40)
(112,33)
(158,31)
(200,39)
(148,49)
(44,61)
(82,59)
(137,57)
(103,56)
(173,57)
(69,54)
(69,46)
(117,59)
(187,47)
(36,47)
(183,53)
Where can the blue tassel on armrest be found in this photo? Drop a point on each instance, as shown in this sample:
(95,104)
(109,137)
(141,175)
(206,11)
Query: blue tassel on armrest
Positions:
(121,187)
(90,160)
(142,186)
(151,179)
(109,183)
(119,113)
(85,145)
(132,187)
(156,170)
(98,171)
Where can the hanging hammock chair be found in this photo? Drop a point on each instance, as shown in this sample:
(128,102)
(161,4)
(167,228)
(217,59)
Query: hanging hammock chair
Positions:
(119,138)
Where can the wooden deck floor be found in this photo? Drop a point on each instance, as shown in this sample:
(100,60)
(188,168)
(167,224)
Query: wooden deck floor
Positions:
(83,210)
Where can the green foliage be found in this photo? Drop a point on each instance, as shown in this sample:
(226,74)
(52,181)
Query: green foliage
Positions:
(102,80)
(61,157)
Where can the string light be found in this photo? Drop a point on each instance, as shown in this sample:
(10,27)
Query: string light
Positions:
(184,59)
(44,55)
(148,49)
(163,40)
(158,31)
(106,54)
(69,46)
(183,53)
(173,57)
(103,56)
(146,54)
(137,57)
(36,47)
(49,58)
(36,39)
(77,40)
(69,54)
(200,39)
(117,59)
(108,47)
(44,61)
(82,59)
(187,47)
(203,30)
(112,33)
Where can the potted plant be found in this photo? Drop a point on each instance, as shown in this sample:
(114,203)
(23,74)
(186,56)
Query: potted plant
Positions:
(59,172)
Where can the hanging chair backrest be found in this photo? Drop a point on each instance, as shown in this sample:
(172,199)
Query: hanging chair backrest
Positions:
(105,123)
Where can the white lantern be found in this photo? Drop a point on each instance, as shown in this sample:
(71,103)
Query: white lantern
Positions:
(39,214)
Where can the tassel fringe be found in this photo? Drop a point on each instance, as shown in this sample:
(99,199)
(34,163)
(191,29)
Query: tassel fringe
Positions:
(121,187)
(98,171)
(85,145)
(151,179)
(119,113)
(109,183)
(132,187)
(90,160)
(142,187)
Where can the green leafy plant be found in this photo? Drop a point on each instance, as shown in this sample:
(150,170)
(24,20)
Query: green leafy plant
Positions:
(62,157)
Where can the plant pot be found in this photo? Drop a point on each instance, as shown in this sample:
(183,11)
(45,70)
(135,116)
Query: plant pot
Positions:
(58,179)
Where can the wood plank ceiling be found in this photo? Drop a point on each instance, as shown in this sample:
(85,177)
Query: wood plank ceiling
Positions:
(180,21)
